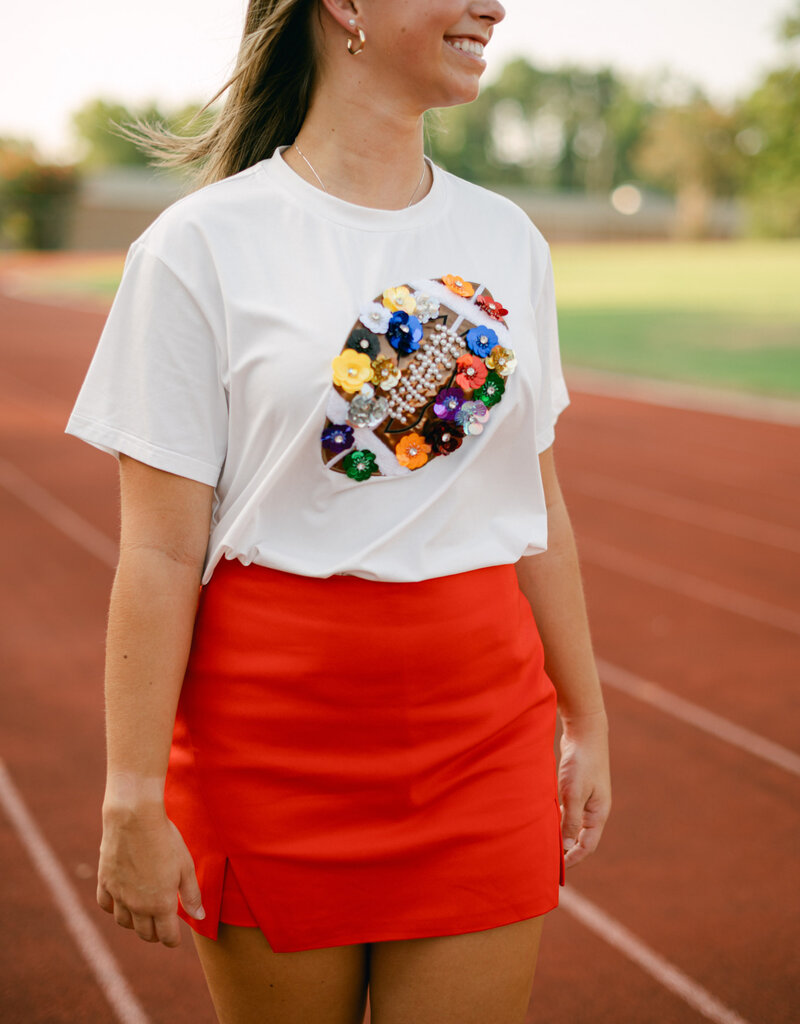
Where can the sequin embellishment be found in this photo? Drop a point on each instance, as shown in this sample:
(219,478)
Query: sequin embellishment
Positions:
(417,378)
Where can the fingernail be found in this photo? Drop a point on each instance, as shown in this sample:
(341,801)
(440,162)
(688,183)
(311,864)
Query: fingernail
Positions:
(200,914)
(568,844)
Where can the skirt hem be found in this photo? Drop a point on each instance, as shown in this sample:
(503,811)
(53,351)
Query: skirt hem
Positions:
(381,933)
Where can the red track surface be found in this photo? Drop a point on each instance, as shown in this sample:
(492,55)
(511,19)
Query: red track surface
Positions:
(688,527)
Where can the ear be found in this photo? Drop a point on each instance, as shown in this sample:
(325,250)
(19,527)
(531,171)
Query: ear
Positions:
(343,11)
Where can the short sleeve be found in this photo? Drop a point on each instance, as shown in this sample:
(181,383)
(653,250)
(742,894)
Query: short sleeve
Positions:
(155,387)
(553,397)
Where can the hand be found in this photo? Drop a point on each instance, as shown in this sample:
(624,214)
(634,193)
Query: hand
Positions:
(584,782)
(144,863)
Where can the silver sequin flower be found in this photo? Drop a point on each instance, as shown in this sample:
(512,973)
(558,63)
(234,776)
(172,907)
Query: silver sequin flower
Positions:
(366,410)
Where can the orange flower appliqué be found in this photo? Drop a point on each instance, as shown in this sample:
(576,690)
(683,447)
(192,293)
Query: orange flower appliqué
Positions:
(458,285)
(412,451)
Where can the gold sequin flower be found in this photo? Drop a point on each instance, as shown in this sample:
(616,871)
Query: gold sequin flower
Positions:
(351,370)
(502,360)
(385,373)
(458,285)
(399,298)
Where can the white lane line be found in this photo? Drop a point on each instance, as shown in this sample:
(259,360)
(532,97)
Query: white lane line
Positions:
(686,510)
(680,395)
(664,972)
(694,587)
(700,717)
(58,514)
(96,953)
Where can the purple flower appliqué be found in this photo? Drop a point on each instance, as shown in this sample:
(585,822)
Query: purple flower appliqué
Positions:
(404,332)
(337,437)
(448,402)
(481,340)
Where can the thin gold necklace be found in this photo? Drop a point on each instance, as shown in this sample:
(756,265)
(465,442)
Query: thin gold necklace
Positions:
(302,154)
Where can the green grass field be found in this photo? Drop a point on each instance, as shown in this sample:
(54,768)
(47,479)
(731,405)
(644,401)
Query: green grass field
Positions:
(719,314)
(722,314)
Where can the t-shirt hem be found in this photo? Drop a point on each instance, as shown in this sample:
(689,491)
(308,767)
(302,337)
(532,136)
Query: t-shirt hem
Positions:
(116,442)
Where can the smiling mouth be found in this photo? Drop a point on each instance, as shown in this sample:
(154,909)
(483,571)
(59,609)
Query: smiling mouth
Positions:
(469,47)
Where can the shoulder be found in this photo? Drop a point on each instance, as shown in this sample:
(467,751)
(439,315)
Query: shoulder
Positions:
(193,226)
(492,209)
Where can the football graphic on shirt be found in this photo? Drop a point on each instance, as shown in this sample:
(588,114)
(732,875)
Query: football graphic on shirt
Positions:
(418,377)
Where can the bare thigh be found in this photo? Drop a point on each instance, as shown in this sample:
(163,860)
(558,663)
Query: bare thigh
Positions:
(251,984)
(482,977)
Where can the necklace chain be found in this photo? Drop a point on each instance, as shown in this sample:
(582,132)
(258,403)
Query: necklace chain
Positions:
(302,154)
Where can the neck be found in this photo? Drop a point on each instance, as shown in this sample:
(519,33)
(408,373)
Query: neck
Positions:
(365,151)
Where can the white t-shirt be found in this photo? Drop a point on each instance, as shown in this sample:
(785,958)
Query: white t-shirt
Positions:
(217,358)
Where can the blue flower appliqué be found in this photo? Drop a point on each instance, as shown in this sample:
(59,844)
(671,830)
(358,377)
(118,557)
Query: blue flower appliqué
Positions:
(481,341)
(337,437)
(404,332)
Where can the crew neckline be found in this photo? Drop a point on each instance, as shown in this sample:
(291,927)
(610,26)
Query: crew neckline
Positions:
(369,218)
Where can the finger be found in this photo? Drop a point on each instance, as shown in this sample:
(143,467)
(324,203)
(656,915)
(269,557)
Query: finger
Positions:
(189,893)
(571,821)
(144,927)
(588,839)
(105,900)
(122,915)
(167,929)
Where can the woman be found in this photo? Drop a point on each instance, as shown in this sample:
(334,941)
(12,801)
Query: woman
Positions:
(331,376)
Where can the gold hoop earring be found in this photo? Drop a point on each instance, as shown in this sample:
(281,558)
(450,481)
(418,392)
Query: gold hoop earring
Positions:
(361,40)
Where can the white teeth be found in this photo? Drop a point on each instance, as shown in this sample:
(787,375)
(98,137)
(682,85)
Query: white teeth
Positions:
(469,45)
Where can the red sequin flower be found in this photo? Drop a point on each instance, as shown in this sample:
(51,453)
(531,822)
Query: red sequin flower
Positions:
(491,306)
(471,371)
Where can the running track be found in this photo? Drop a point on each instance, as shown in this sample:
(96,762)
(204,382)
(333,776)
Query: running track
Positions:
(687,523)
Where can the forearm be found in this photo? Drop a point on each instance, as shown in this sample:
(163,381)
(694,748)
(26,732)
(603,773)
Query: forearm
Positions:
(551,582)
(151,617)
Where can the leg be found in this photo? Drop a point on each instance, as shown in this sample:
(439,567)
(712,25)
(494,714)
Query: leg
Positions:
(482,977)
(251,984)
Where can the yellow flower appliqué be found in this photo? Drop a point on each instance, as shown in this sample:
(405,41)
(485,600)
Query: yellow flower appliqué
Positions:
(458,285)
(351,370)
(399,298)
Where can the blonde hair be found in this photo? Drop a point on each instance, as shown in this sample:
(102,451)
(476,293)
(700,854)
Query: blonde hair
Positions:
(270,94)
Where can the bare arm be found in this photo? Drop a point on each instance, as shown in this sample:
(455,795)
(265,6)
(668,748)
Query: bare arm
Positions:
(551,582)
(164,535)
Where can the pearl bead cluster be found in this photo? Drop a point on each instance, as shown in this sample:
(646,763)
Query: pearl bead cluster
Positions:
(424,372)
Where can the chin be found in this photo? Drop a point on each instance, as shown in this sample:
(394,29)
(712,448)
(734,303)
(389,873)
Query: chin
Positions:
(452,94)
(455,98)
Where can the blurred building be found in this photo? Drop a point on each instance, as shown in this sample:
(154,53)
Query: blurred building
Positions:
(114,207)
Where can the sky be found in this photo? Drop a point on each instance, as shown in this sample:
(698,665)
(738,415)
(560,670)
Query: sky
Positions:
(55,56)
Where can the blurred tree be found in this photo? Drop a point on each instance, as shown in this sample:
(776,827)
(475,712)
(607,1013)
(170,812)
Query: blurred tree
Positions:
(790,27)
(690,150)
(769,141)
(36,197)
(769,138)
(570,128)
(94,127)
